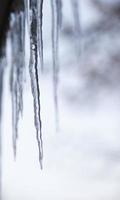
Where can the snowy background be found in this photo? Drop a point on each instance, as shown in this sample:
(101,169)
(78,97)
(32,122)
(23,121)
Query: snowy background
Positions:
(81,160)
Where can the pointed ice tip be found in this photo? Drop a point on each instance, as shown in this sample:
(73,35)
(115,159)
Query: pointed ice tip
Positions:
(14,153)
(41,159)
(41,164)
(14,150)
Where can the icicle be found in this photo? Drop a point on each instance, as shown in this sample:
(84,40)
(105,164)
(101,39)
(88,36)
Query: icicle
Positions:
(77,27)
(16,81)
(2,68)
(1,86)
(59,12)
(56,23)
(26,4)
(33,69)
(75,8)
(40,35)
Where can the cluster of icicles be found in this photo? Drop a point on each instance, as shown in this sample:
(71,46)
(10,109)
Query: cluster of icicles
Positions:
(32,15)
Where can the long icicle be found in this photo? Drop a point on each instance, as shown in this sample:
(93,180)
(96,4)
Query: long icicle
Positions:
(40,34)
(2,68)
(56,22)
(16,79)
(33,69)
